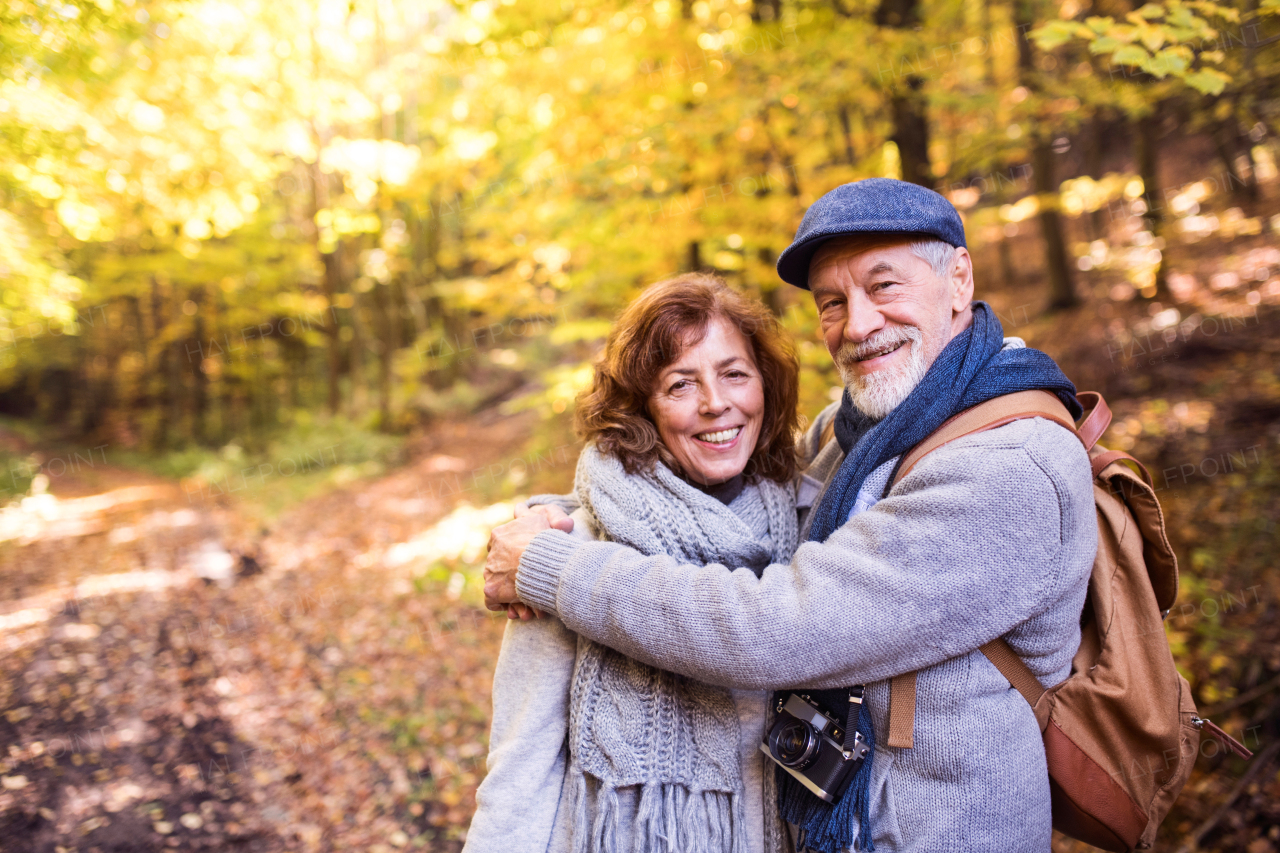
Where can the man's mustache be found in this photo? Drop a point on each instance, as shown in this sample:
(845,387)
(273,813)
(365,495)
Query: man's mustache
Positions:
(850,353)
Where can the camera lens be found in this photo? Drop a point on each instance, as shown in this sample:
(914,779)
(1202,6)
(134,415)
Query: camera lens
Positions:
(794,743)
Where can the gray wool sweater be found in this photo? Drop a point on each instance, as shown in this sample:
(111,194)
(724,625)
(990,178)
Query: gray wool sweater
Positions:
(991,536)
(523,804)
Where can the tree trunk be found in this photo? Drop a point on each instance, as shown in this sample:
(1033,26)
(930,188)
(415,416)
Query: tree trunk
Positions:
(173,394)
(200,391)
(1062,292)
(988,33)
(331,285)
(218,310)
(332,276)
(360,340)
(1057,265)
(848,134)
(386,346)
(332,273)
(1227,140)
(775,298)
(908,105)
(911,134)
(137,398)
(164,423)
(1093,167)
(1008,272)
(416,278)
(1146,153)
(103,389)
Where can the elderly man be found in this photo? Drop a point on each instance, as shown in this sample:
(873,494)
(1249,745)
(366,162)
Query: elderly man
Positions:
(992,536)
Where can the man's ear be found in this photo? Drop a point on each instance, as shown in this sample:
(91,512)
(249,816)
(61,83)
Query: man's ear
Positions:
(961,282)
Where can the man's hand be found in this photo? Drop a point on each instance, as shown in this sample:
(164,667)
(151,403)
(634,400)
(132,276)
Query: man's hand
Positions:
(506,545)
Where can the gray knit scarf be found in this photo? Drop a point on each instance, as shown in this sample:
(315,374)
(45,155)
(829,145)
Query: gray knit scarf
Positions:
(633,725)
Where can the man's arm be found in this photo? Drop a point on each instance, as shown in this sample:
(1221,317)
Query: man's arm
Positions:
(981,536)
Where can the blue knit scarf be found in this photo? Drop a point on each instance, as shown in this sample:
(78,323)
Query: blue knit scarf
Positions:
(971,369)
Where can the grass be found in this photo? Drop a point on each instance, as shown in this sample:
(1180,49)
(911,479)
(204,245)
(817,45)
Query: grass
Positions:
(269,473)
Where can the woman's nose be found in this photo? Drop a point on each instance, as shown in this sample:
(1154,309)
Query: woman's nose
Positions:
(713,401)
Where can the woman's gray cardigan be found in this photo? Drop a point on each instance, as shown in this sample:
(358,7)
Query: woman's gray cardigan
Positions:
(517,803)
(993,535)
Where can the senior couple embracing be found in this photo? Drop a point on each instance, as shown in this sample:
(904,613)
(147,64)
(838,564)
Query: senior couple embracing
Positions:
(709,626)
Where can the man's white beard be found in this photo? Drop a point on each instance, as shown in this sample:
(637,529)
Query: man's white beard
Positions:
(878,393)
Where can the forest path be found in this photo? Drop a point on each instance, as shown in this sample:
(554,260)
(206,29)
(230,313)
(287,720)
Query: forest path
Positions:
(174,677)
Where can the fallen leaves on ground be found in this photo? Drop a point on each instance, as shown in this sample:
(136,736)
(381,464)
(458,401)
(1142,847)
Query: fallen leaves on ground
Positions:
(336,697)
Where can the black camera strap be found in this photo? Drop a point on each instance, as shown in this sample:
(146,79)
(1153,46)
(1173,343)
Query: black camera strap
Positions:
(851,717)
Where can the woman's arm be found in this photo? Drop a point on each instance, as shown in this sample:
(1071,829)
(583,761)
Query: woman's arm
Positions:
(528,754)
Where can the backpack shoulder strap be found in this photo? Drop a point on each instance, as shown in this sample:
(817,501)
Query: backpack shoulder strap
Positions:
(994,413)
(1013,668)
(1096,420)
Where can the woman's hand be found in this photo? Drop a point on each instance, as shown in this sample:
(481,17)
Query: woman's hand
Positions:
(506,545)
(555,516)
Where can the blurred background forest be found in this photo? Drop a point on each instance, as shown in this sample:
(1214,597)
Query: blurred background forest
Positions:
(296,298)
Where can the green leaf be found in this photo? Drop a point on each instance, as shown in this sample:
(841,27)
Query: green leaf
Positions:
(1057,33)
(1152,37)
(1106,44)
(1184,35)
(1154,68)
(1208,81)
(1102,26)
(1175,59)
(1180,16)
(1130,54)
(1151,11)
(1211,9)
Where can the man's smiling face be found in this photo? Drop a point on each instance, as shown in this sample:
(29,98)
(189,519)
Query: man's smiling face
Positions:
(886,315)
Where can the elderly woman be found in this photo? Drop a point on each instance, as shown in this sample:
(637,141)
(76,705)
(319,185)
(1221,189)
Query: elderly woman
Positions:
(689,427)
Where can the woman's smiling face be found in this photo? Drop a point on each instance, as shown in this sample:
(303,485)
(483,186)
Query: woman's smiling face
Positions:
(708,405)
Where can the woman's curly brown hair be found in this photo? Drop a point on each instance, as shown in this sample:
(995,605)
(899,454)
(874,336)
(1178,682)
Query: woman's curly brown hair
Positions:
(650,335)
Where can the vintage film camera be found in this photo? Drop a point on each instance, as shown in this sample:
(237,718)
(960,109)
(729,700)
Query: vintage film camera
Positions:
(813,748)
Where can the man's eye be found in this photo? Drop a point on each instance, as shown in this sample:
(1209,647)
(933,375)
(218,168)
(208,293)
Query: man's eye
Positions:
(828,305)
(883,284)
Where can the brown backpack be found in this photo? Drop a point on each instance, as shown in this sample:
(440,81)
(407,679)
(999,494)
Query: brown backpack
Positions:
(1121,733)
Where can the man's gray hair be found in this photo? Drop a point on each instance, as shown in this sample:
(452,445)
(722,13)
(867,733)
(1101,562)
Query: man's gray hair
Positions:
(937,254)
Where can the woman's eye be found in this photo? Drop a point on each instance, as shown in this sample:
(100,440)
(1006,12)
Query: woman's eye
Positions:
(682,385)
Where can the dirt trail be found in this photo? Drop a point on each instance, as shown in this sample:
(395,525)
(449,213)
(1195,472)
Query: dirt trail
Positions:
(174,679)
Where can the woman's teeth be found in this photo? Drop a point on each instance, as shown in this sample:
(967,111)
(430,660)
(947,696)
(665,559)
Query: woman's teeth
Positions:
(720,437)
